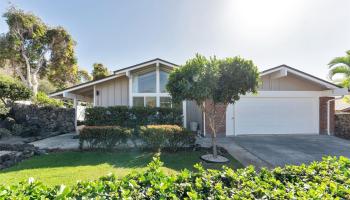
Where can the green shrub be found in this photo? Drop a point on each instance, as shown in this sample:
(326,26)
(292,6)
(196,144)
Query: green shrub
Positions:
(42,99)
(160,136)
(12,90)
(328,179)
(131,116)
(103,137)
(4,132)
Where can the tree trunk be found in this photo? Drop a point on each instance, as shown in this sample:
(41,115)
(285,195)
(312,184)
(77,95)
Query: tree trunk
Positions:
(35,85)
(213,140)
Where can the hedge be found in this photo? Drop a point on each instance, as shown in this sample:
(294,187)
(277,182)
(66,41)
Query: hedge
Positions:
(149,137)
(131,116)
(104,137)
(171,136)
(328,179)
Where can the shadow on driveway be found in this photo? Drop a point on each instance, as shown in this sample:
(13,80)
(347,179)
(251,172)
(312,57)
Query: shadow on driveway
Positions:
(279,150)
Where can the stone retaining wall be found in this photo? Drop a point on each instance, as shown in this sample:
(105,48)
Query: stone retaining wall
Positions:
(342,125)
(46,120)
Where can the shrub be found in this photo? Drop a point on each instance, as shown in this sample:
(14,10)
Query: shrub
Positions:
(328,179)
(12,90)
(103,137)
(42,99)
(160,136)
(131,116)
(4,132)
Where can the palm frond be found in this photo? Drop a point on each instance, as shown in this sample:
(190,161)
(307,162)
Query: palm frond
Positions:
(340,60)
(340,69)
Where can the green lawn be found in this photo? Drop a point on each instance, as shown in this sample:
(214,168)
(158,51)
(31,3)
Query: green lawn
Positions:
(69,167)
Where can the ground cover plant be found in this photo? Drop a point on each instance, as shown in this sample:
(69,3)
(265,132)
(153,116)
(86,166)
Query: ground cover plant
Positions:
(328,179)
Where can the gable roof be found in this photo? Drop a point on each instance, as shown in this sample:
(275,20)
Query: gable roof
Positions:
(115,74)
(118,73)
(149,62)
(302,74)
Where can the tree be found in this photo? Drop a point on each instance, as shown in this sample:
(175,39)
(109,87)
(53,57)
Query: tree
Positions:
(83,76)
(12,90)
(36,50)
(341,66)
(99,71)
(212,82)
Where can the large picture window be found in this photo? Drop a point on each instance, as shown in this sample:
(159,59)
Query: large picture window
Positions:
(163,80)
(149,87)
(145,83)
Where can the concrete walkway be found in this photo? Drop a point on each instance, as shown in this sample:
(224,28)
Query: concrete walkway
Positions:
(63,142)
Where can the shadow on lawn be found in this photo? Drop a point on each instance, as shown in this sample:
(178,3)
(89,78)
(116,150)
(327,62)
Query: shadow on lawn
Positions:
(125,159)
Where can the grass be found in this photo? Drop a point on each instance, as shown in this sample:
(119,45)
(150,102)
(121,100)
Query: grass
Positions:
(69,167)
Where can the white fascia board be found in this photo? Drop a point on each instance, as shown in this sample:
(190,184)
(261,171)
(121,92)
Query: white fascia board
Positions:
(76,96)
(86,85)
(330,86)
(291,94)
(282,72)
(145,65)
(305,76)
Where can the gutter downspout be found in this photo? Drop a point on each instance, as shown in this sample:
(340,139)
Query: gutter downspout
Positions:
(329,114)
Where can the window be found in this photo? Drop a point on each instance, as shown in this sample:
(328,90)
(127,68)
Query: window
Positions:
(150,102)
(165,102)
(163,80)
(138,101)
(145,83)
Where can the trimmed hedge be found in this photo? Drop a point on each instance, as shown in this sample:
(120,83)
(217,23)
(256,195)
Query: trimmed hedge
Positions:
(160,136)
(103,137)
(150,137)
(131,116)
(328,179)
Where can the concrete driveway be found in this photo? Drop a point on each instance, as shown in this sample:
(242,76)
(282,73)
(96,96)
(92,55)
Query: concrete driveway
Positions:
(279,150)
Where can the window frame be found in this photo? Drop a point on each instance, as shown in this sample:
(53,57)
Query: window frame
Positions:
(157,94)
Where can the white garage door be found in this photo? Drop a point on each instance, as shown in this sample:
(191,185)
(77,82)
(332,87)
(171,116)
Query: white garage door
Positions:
(275,116)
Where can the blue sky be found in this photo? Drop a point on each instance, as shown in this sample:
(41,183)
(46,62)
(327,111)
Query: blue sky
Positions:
(299,33)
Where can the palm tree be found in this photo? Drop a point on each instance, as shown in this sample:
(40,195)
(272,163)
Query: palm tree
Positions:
(341,66)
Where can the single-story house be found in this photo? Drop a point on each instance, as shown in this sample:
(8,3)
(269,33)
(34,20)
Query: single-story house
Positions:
(289,101)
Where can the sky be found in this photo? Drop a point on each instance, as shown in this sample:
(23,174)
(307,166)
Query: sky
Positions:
(305,34)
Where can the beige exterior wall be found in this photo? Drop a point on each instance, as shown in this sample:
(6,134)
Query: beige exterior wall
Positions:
(193,114)
(288,83)
(113,93)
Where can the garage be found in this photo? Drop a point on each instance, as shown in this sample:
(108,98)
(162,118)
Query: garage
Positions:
(273,115)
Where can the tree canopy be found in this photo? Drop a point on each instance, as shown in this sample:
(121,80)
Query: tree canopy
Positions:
(36,50)
(218,80)
(99,71)
(210,82)
(12,90)
(341,66)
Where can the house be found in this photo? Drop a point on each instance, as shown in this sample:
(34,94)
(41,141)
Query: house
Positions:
(342,106)
(289,101)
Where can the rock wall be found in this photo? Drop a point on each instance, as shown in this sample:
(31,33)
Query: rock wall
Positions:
(342,125)
(46,120)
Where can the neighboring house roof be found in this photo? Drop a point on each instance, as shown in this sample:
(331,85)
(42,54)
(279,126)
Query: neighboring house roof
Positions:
(341,105)
(120,72)
(300,73)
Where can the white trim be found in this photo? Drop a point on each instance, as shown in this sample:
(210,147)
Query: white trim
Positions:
(130,90)
(305,76)
(295,94)
(145,65)
(86,85)
(204,127)
(184,113)
(157,84)
(94,96)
